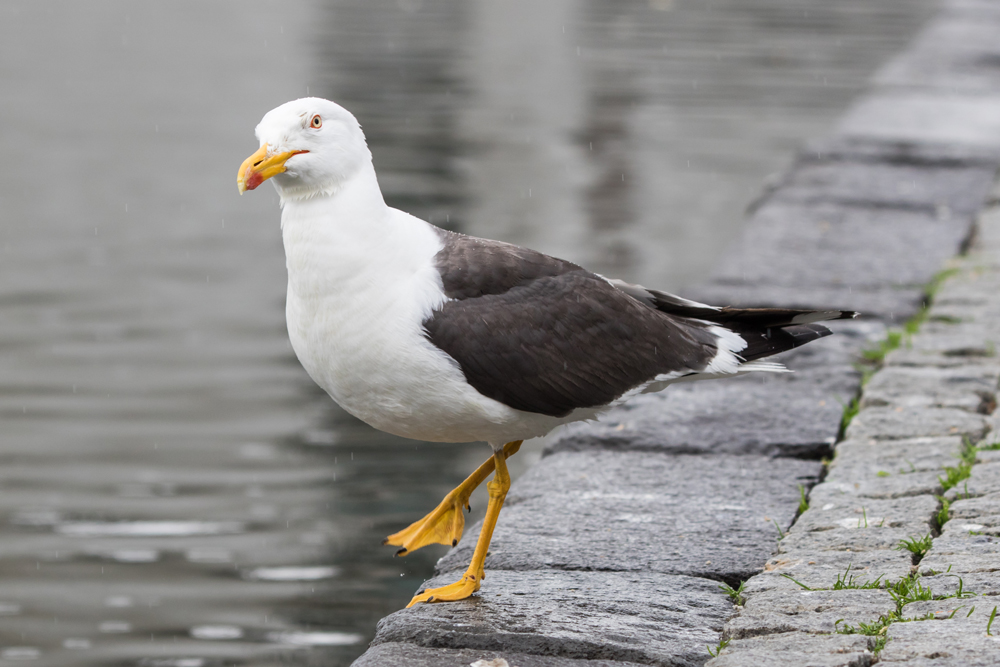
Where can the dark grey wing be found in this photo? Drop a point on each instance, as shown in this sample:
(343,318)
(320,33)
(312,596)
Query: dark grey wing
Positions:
(543,335)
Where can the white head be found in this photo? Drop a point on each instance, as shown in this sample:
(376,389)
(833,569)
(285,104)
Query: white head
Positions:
(308,147)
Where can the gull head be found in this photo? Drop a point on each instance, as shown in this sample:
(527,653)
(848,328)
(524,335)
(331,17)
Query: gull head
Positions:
(308,147)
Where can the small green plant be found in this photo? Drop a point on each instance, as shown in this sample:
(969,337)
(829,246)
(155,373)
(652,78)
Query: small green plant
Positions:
(781,533)
(723,643)
(955,474)
(850,412)
(803,503)
(882,473)
(796,581)
(992,447)
(864,515)
(918,546)
(943,514)
(735,594)
(847,580)
(990,623)
(876,355)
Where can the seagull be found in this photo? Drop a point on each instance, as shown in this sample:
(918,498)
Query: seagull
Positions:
(430,334)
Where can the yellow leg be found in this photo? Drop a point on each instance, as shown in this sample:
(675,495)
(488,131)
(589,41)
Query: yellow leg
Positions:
(444,525)
(473,577)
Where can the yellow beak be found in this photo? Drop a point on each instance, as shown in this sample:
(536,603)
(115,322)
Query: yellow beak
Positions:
(259,167)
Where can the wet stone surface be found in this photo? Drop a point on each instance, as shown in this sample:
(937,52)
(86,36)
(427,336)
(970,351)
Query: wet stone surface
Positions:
(795,649)
(703,516)
(585,615)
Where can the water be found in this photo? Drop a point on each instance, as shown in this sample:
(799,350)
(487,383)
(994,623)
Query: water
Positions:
(174,490)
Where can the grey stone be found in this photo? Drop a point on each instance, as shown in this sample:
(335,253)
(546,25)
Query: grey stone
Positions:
(886,485)
(984,480)
(926,116)
(984,510)
(860,539)
(970,388)
(977,583)
(394,654)
(957,642)
(938,189)
(637,616)
(624,511)
(831,510)
(796,649)
(783,610)
(899,423)
(732,416)
(858,247)
(924,153)
(821,569)
(907,356)
(967,345)
(896,457)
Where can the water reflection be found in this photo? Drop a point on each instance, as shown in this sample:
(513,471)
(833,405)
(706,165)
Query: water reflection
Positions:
(174,490)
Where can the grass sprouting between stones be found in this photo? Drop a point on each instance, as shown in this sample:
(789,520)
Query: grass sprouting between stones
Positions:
(803,503)
(918,546)
(735,594)
(903,592)
(723,643)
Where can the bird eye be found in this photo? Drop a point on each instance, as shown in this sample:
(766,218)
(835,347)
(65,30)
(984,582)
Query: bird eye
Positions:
(316,122)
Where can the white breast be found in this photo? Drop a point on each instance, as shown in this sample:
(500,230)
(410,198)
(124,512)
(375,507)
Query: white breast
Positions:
(361,281)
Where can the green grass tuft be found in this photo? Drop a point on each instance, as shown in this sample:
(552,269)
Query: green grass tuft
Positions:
(918,546)
(943,514)
(723,643)
(850,412)
(735,594)
(803,503)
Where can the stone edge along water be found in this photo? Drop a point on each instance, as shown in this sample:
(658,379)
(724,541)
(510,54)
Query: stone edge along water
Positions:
(614,548)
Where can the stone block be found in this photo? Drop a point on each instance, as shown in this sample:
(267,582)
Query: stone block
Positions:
(926,116)
(796,649)
(870,484)
(984,480)
(899,423)
(971,388)
(939,189)
(860,539)
(393,654)
(784,610)
(731,416)
(820,569)
(639,511)
(640,617)
(957,642)
(896,457)
(831,510)
(982,510)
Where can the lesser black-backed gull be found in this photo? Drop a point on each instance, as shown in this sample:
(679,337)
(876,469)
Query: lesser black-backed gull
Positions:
(438,336)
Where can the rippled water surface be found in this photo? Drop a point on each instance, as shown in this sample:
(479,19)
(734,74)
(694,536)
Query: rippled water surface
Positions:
(174,491)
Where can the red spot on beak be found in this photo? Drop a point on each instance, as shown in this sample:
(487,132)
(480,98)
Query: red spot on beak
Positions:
(253,180)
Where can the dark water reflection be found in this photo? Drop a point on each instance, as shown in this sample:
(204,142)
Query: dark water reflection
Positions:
(173,489)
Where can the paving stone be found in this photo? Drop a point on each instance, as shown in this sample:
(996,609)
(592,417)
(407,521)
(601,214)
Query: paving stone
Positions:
(957,642)
(399,654)
(952,583)
(860,539)
(983,510)
(907,356)
(984,480)
(599,510)
(896,457)
(831,510)
(889,485)
(970,388)
(796,649)
(735,416)
(919,116)
(898,423)
(966,345)
(937,188)
(820,569)
(637,616)
(783,610)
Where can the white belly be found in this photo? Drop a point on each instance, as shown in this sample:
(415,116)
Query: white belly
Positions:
(355,322)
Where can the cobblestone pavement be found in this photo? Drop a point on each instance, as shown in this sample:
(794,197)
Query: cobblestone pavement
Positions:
(617,546)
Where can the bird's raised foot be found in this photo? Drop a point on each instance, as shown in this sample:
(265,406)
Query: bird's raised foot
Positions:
(444,525)
(459,590)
